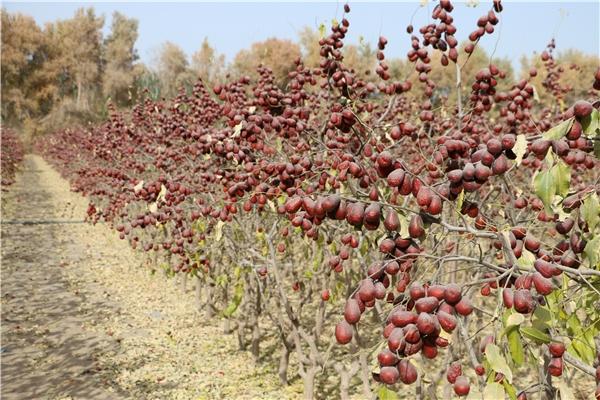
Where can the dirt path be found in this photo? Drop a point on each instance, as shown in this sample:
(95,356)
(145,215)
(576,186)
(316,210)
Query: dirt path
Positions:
(81,319)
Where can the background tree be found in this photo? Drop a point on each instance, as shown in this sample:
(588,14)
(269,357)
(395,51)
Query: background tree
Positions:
(445,77)
(361,58)
(119,57)
(308,39)
(25,92)
(79,44)
(146,79)
(572,64)
(173,69)
(278,54)
(207,64)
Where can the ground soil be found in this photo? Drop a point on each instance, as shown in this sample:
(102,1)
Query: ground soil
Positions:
(83,319)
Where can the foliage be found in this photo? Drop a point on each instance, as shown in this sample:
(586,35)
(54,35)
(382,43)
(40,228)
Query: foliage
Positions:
(208,64)
(120,55)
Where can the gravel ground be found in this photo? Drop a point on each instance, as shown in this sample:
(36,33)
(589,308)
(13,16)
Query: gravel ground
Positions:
(83,319)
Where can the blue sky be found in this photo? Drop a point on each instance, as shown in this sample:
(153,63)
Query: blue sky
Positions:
(525,27)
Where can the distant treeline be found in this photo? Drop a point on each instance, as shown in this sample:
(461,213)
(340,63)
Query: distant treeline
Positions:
(66,72)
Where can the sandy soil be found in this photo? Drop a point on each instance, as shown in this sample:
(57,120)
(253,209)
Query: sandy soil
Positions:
(83,319)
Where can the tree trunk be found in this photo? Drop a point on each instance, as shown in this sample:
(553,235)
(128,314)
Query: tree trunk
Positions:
(198,294)
(227,326)
(344,384)
(284,361)
(209,307)
(255,346)
(365,375)
(240,335)
(184,279)
(309,382)
(547,392)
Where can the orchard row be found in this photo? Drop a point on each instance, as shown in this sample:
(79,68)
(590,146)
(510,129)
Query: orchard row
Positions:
(374,212)
(11,154)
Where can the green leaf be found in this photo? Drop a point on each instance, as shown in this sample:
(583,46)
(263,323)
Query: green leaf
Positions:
(235,301)
(200,225)
(583,349)
(592,252)
(221,280)
(550,158)
(364,246)
(591,124)
(535,334)
(574,325)
(237,271)
(559,131)
(510,390)
(497,361)
(515,345)
(386,394)
(493,391)
(562,176)
(578,349)
(333,247)
(526,260)
(590,210)
(520,148)
(557,296)
(590,335)
(322,30)
(545,188)
(460,200)
(542,318)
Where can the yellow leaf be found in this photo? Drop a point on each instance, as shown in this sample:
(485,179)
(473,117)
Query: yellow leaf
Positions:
(219,231)
(162,193)
(520,148)
(138,187)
